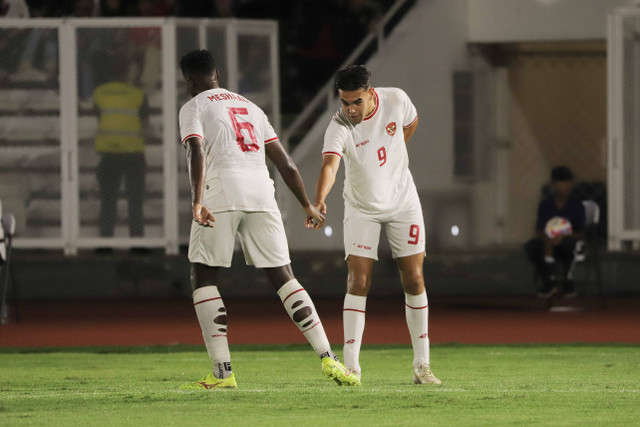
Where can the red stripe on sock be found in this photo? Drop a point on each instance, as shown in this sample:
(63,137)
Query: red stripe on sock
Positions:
(205,300)
(353,309)
(416,308)
(301,289)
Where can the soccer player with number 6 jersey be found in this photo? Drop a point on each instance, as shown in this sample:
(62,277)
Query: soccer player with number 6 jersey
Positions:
(227,138)
(370,132)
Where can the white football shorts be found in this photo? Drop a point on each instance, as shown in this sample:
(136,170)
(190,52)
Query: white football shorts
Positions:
(261,234)
(404,228)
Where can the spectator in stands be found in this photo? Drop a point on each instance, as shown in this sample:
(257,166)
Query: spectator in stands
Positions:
(87,48)
(321,37)
(165,7)
(39,58)
(120,143)
(14,9)
(112,8)
(255,76)
(557,244)
(11,40)
(315,50)
(84,8)
(204,9)
(356,19)
(145,48)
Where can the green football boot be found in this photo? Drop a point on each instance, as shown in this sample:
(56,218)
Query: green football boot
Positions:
(338,372)
(210,381)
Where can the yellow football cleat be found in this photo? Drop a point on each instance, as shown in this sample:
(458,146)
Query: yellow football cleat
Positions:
(422,375)
(210,381)
(355,372)
(336,371)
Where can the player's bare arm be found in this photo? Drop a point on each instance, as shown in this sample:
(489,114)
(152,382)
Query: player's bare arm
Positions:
(197,166)
(289,172)
(408,132)
(328,172)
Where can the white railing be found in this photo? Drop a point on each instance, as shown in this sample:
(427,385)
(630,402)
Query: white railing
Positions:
(47,160)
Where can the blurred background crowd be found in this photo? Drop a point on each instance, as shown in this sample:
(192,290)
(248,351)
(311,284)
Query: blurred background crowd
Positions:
(315,37)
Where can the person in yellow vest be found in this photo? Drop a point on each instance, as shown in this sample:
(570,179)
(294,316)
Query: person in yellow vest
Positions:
(119,141)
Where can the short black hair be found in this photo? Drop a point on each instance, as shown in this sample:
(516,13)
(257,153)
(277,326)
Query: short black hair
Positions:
(197,62)
(561,173)
(353,77)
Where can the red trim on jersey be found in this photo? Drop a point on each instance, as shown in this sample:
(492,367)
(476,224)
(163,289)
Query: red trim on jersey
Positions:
(377,105)
(301,289)
(333,153)
(271,140)
(410,124)
(205,300)
(416,308)
(189,136)
(353,309)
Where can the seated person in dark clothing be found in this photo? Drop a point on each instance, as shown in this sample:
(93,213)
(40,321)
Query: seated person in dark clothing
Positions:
(557,244)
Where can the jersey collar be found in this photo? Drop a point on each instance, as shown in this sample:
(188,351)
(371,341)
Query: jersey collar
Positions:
(375,110)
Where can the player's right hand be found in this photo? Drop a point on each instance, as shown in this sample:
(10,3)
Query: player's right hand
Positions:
(315,219)
(202,215)
(321,206)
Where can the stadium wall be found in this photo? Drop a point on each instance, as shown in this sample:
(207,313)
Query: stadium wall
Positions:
(323,274)
(504,21)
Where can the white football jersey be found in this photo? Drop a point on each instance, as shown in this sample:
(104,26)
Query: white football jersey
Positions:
(375,154)
(235,132)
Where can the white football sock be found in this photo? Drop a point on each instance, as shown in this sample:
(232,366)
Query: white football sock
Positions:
(417,313)
(353,316)
(301,310)
(212,317)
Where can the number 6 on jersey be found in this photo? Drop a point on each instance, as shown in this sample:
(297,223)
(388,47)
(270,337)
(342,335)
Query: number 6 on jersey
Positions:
(237,126)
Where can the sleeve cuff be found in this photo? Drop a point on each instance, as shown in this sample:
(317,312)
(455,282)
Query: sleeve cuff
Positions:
(190,136)
(333,153)
(410,124)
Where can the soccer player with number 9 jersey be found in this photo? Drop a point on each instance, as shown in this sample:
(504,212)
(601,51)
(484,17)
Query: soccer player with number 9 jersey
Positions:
(370,132)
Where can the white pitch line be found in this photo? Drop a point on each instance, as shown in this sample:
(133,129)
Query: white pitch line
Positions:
(5,396)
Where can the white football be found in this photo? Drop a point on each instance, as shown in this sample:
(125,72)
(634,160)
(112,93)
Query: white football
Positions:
(558,226)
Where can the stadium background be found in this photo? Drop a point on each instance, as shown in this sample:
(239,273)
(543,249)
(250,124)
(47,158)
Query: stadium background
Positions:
(504,90)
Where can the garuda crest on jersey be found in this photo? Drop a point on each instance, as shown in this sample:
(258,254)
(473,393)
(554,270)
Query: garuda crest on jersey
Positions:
(391,128)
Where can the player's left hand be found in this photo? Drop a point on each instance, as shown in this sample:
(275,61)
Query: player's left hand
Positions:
(314,219)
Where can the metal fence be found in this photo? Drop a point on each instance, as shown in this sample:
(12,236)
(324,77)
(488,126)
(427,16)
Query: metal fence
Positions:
(89,145)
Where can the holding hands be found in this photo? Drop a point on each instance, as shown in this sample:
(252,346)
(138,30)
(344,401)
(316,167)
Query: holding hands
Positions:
(315,215)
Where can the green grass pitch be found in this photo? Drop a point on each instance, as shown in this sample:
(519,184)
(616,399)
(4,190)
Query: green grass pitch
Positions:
(283,385)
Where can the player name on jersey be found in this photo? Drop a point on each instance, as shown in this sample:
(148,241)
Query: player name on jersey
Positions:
(226,97)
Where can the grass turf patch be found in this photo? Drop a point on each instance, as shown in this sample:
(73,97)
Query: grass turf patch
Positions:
(482,385)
